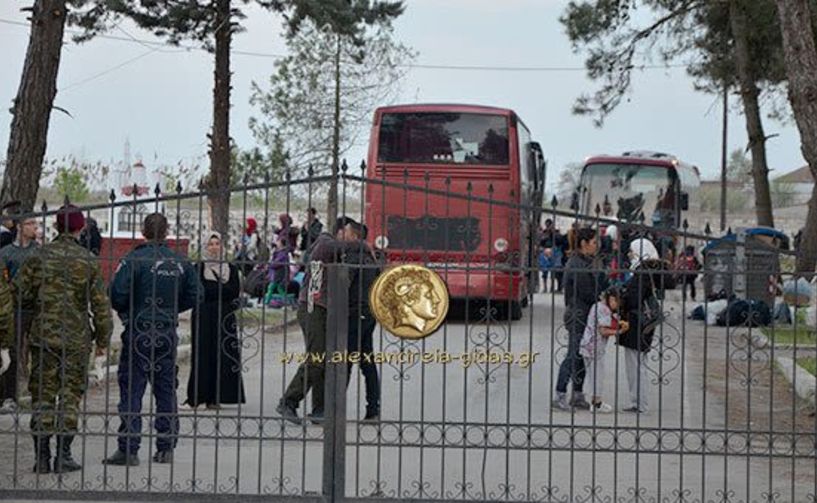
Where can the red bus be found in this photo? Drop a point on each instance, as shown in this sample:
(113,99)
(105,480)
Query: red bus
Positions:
(483,245)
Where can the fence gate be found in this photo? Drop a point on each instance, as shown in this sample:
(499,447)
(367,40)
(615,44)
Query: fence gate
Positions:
(469,413)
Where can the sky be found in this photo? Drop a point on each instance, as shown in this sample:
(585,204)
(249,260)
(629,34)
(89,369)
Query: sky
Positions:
(160,100)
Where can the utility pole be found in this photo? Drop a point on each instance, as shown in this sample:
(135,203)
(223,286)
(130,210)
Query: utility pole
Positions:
(723,154)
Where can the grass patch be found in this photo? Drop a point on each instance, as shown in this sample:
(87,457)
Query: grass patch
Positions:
(809,364)
(803,336)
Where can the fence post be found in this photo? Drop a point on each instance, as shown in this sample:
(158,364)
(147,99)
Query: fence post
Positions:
(334,439)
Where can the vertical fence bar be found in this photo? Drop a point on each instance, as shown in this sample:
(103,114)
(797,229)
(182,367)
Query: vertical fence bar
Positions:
(334,440)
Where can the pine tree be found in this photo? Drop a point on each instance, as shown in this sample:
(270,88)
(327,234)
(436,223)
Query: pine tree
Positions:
(322,95)
(212,23)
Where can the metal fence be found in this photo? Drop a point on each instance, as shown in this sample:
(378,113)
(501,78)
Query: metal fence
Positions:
(469,413)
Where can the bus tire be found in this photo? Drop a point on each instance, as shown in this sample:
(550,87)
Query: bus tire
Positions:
(516,311)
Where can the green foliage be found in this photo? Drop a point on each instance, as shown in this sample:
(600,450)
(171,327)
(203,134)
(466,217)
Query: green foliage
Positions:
(809,364)
(788,336)
(71,182)
(195,19)
(296,111)
(255,166)
(710,200)
(782,194)
(697,32)
(739,167)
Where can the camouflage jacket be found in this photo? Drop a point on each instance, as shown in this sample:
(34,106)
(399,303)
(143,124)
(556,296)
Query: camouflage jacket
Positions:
(6,316)
(59,284)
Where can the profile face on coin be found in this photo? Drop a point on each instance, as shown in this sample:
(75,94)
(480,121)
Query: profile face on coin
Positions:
(409,301)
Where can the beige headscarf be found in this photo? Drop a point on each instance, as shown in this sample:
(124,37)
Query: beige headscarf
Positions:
(215,266)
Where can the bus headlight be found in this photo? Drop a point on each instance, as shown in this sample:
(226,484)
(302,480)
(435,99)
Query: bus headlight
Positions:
(501,245)
(381,242)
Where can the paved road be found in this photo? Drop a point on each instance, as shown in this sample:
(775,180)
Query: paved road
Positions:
(483,431)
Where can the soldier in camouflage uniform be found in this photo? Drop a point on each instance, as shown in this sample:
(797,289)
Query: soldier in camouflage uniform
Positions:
(6,327)
(62,283)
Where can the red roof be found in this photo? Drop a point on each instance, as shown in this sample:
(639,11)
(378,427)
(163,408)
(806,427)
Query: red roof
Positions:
(800,175)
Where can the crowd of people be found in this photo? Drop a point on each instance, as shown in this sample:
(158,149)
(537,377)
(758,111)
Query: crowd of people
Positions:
(612,289)
(56,313)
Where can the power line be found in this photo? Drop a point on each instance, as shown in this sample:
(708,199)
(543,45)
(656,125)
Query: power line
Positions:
(109,70)
(421,66)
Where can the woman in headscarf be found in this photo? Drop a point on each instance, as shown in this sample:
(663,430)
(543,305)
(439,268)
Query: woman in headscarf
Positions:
(643,312)
(215,374)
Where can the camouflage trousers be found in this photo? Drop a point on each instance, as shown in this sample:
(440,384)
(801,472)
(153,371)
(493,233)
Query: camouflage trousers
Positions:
(58,380)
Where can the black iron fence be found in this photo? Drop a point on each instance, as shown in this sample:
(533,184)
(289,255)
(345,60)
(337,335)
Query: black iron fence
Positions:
(208,340)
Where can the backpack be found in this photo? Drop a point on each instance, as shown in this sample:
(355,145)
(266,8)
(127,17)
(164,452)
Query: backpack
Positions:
(262,251)
(651,314)
(255,283)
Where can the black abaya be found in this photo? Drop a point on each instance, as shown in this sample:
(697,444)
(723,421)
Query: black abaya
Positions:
(215,374)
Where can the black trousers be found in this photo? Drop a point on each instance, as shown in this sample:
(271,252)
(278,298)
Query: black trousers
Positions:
(361,339)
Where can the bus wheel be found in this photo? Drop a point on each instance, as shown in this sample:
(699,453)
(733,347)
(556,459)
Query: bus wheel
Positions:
(516,311)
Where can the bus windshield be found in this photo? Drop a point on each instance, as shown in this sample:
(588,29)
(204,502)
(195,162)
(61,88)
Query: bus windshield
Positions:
(443,138)
(631,192)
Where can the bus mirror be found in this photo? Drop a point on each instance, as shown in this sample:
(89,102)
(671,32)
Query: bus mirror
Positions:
(684,201)
(574,201)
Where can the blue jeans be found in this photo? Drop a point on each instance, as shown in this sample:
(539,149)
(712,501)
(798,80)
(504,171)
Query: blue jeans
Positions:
(572,367)
(147,358)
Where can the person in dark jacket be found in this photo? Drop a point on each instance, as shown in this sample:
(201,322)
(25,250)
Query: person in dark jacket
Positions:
(90,238)
(642,310)
(215,366)
(363,272)
(151,286)
(311,229)
(312,316)
(8,228)
(582,287)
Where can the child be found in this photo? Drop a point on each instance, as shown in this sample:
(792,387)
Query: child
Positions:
(545,265)
(278,276)
(602,323)
(688,266)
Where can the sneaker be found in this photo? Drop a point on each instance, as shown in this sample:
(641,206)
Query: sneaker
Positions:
(163,457)
(602,408)
(288,412)
(316,417)
(561,403)
(9,406)
(634,410)
(580,403)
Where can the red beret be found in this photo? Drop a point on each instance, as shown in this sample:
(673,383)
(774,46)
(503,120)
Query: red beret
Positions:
(70,219)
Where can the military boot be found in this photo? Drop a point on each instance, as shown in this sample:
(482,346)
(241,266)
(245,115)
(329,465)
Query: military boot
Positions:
(42,453)
(63,461)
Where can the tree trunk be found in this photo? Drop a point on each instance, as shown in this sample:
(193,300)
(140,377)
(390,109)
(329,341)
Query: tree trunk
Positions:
(219,177)
(332,199)
(751,107)
(31,110)
(801,68)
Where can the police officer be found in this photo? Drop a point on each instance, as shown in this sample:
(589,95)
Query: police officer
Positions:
(61,283)
(152,285)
